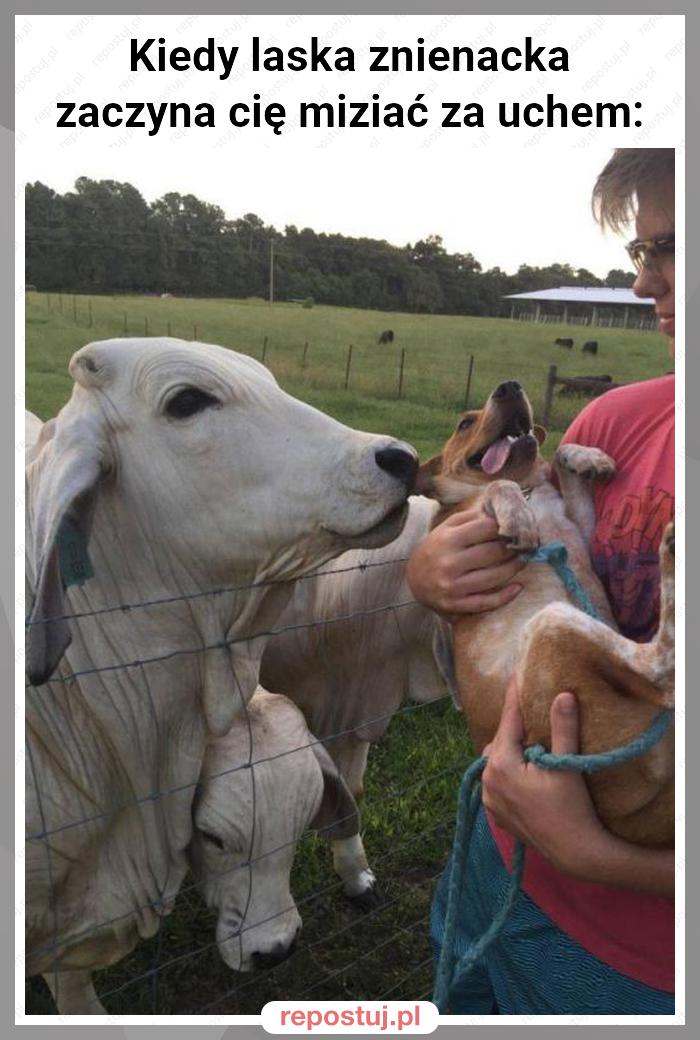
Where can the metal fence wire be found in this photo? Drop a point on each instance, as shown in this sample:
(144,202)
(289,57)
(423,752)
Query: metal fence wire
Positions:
(380,951)
(452,380)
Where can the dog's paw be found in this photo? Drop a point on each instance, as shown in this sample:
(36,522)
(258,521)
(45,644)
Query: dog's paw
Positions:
(519,530)
(589,463)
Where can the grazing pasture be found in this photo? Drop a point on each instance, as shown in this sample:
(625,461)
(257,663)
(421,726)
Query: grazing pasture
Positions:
(411,782)
(307,349)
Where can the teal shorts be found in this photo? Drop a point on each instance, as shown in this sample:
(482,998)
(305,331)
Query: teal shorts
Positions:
(533,967)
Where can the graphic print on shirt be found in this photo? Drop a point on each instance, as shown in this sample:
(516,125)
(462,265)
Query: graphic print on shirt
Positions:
(625,554)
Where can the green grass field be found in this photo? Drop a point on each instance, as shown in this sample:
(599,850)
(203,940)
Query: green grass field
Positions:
(411,783)
(437,353)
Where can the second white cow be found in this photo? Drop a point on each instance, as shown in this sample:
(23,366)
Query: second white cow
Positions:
(353,644)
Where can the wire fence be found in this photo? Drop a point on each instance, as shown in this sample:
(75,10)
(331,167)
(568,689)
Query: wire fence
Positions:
(423,373)
(411,783)
(343,952)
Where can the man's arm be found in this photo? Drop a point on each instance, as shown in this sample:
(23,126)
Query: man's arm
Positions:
(553,811)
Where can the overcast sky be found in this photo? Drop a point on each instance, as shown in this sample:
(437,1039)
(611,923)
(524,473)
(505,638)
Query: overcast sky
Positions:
(503,216)
(507,196)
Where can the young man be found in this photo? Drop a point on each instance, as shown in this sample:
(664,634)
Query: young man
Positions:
(593,931)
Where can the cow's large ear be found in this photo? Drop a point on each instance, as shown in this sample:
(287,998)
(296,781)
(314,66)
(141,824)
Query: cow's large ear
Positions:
(425,479)
(444,654)
(337,816)
(61,485)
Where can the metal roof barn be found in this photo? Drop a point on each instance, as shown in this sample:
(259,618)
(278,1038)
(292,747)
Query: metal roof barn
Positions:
(579,294)
(582,305)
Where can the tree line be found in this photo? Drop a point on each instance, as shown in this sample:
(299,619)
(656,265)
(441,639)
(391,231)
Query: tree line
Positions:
(104,237)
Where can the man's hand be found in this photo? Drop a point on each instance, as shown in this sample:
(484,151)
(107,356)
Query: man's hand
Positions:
(550,811)
(462,567)
(553,811)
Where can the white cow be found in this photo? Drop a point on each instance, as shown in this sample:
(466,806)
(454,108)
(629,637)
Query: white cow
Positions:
(263,785)
(349,676)
(175,469)
(247,821)
(32,432)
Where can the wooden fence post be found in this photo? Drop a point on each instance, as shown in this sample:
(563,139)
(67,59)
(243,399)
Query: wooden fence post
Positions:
(145,326)
(347,366)
(469,382)
(304,353)
(126,323)
(194,333)
(401,364)
(551,380)
(75,309)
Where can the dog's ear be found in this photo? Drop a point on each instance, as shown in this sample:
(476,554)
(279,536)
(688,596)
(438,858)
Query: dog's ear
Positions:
(540,433)
(337,816)
(425,479)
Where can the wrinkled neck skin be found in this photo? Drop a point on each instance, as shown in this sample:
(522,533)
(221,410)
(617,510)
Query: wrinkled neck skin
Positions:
(101,742)
(334,671)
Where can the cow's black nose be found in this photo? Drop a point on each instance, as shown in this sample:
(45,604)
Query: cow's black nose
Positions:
(399,463)
(507,391)
(270,958)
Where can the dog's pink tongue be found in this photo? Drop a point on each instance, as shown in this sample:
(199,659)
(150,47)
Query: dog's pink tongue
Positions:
(496,456)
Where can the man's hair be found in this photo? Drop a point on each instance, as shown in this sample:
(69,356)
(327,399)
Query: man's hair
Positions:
(619,183)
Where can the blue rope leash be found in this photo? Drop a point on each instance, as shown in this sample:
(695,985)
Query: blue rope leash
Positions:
(469,802)
(555,554)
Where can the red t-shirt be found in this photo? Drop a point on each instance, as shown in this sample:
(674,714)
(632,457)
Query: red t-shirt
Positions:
(631,931)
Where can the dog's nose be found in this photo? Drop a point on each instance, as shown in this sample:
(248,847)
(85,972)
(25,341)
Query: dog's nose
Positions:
(507,391)
(272,957)
(398,463)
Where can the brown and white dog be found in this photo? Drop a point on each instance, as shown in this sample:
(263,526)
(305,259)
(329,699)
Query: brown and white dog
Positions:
(492,461)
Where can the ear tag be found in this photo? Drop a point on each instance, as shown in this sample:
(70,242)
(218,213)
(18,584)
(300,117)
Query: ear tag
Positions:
(73,559)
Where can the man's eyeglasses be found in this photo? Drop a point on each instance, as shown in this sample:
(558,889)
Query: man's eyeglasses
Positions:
(650,252)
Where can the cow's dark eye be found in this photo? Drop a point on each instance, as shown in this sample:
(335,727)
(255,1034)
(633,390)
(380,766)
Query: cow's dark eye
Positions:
(466,422)
(189,401)
(213,838)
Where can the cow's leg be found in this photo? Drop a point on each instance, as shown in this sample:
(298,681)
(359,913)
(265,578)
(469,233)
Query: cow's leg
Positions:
(349,856)
(74,993)
(359,882)
(350,756)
